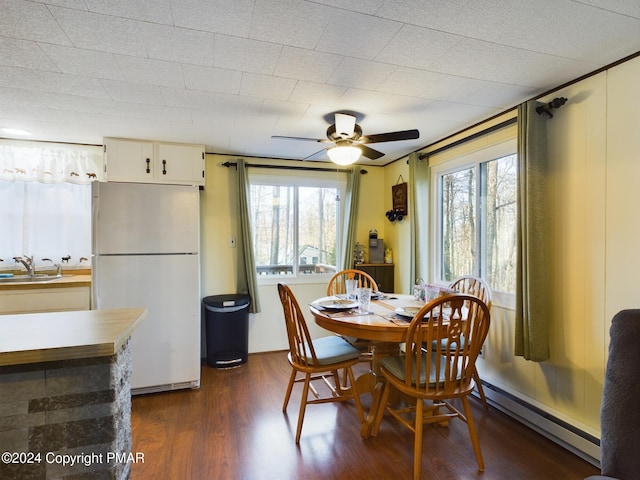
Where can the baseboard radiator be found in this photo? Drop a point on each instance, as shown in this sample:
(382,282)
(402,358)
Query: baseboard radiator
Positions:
(568,436)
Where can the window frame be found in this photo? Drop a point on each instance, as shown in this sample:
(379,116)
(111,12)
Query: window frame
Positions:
(302,178)
(457,159)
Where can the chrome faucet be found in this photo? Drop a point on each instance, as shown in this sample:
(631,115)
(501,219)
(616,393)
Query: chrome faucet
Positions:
(28,264)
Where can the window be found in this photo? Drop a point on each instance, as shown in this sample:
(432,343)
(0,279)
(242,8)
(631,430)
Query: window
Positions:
(45,221)
(499,181)
(475,215)
(45,203)
(295,222)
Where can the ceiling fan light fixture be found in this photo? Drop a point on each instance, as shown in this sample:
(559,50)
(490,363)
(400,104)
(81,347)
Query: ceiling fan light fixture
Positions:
(344,154)
(345,124)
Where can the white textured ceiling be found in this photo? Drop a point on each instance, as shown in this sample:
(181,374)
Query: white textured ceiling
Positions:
(232,73)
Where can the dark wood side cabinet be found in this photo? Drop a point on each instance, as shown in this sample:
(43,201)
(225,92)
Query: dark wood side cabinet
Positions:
(382,273)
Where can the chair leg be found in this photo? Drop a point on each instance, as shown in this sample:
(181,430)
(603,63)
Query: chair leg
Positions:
(340,386)
(356,394)
(287,395)
(417,443)
(472,433)
(476,378)
(303,406)
(344,378)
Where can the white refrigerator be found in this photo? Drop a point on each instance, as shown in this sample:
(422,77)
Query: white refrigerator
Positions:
(146,240)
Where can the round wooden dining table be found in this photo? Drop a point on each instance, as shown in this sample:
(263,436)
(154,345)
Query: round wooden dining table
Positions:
(382,326)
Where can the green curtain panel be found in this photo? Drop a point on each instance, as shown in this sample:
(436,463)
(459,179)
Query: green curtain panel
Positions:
(247,277)
(532,305)
(350,214)
(419,181)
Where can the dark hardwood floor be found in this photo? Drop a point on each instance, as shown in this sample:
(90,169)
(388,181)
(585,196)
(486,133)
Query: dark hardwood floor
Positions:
(233,428)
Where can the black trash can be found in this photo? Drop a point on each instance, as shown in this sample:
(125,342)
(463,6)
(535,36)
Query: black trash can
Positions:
(227,329)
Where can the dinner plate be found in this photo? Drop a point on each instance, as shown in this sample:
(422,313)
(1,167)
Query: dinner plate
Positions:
(408,312)
(338,304)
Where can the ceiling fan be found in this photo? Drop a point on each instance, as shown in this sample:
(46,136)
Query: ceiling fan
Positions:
(349,142)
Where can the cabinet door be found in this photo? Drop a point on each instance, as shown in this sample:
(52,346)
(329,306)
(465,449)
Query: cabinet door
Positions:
(180,164)
(385,278)
(129,160)
(383,274)
(45,300)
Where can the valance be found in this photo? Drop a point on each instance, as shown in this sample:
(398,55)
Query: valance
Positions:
(46,165)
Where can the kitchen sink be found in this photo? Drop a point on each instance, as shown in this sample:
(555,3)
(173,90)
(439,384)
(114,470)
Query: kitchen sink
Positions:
(37,278)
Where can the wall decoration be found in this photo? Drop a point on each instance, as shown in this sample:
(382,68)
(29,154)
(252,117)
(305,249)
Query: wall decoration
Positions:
(399,193)
(399,201)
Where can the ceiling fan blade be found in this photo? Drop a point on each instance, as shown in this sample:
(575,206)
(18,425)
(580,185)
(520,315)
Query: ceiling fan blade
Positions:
(316,155)
(390,136)
(370,153)
(320,140)
(345,124)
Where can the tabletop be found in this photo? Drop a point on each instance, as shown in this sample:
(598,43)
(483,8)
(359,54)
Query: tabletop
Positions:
(382,324)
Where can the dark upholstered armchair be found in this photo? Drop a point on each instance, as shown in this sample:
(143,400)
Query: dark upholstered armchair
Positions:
(619,414)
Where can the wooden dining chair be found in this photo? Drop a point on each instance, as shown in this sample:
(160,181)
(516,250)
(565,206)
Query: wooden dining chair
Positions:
(457,326)
(478,287)
(337,284)
(316,359)
(473,286)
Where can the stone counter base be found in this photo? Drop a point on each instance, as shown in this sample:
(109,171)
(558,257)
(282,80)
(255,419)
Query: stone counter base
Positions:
(67,411)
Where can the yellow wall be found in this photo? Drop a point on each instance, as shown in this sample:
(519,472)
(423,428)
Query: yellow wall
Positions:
(396,234)
(371,206)
(622,215)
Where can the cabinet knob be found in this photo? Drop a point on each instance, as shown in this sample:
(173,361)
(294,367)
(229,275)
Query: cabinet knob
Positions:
(164,167)
(148,165)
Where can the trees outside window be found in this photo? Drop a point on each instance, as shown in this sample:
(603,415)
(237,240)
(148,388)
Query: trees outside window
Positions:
(295,225)
(477,221)
(499,234)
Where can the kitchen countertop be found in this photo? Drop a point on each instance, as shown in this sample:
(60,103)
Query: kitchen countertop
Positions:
(43,337)
(66,281)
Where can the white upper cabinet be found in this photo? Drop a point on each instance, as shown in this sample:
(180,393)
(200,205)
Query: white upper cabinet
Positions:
(179,163)
(128,160)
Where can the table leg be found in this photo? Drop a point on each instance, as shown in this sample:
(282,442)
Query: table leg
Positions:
(375,382)
(366,382)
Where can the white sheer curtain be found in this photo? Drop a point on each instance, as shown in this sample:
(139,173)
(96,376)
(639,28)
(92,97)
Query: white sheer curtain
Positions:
(46,165)
(45,204)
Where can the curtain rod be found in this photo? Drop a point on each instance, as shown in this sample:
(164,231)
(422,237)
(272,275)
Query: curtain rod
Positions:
(547,107)
(26,140)
(486,131)
(289,167)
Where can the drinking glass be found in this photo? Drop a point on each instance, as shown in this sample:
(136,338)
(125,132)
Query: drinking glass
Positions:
(432,292)
(364,298)
(351,289)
